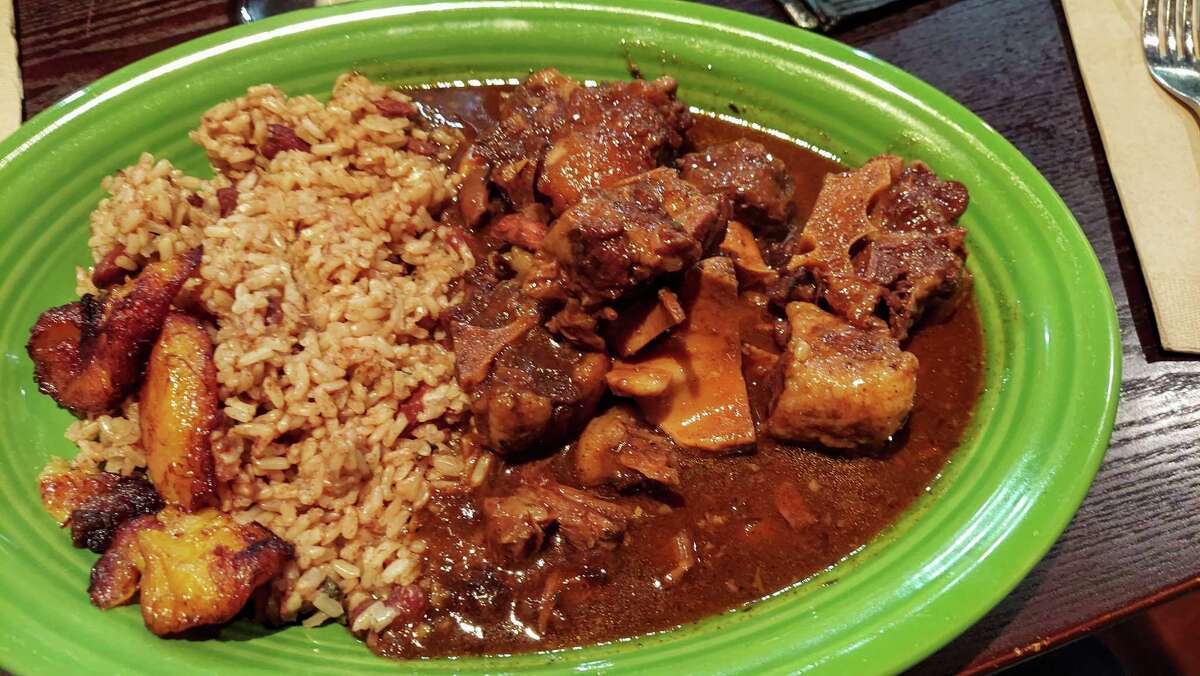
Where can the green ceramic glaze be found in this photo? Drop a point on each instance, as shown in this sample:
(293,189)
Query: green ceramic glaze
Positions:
(1040,429)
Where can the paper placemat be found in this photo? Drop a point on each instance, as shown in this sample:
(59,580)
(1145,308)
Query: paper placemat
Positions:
(1153,147)
(10,73)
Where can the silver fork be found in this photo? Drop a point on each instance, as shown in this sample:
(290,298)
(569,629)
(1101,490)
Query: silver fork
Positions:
(1169,42)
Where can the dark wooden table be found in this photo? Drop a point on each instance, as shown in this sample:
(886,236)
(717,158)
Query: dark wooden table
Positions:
(1136,540)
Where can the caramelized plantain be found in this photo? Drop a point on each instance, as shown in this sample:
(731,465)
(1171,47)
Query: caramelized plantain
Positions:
(109,271)
(179,411)
(88,356)
(95,522)
(65,488)
(190,570)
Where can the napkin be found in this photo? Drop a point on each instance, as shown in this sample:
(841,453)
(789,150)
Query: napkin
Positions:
(1153,147)
(10,73)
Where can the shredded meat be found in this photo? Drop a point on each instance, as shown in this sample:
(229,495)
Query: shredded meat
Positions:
(683,547)
(577,325)
(793,506)
(517,524)
(618,448)
(839,385)
(757,181)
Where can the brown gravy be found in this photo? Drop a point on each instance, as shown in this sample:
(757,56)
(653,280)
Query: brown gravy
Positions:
(746,549)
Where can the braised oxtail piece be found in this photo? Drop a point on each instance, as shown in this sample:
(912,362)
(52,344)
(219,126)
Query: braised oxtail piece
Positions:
(882,247)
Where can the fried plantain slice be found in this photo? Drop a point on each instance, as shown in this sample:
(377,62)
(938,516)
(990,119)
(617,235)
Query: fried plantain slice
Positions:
(65,488)
(88,356)
(179,411)
(190,570)
(93,503)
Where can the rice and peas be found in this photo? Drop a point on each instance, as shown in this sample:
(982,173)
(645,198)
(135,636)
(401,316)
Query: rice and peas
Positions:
(324,279)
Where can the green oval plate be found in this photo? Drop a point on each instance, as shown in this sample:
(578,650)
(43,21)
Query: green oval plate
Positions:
(1039,431)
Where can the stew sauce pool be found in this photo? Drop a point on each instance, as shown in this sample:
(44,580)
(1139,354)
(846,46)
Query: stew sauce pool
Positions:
(730,506)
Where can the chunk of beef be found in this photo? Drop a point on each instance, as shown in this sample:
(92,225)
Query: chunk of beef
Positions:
(882,246)
(690,383)
(560,139)
(618,448)
(633,232)
(493,316)
(920,252)
(529,390)
(510,153)
(839,385)
(919,201)
(577,325)
(517,524)
(757,181)
(539,394)
(613,131)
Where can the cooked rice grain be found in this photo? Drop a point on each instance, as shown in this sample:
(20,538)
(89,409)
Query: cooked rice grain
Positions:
(325,281)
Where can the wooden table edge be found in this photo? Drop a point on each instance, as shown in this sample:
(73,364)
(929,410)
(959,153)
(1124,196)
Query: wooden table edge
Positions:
(1071,633)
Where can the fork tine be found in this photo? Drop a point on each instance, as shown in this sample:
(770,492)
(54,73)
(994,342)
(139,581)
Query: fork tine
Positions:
(1189,38)
(1150,31)
(1171,19)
